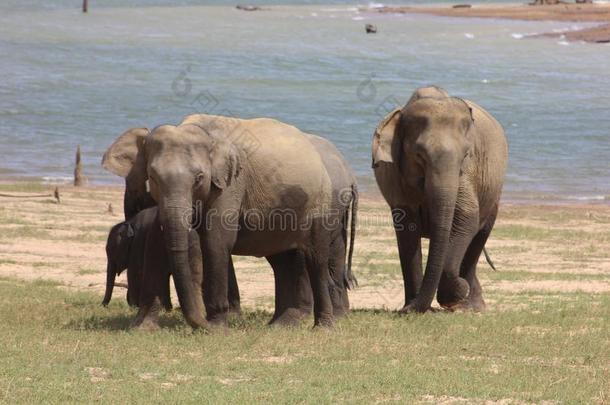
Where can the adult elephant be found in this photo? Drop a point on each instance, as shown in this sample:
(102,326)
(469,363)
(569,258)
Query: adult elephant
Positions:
(120,159)
(241,175)
(293,294)
(439,162)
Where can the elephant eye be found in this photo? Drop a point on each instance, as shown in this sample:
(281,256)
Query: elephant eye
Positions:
(198,179)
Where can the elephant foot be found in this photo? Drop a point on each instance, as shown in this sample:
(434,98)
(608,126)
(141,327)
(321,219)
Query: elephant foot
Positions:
(217,325)
(217,316)
(473,304)
(478,304)
(340,302)
(324,322)
(413,309)
(148,325)
(452,291)
(290,317)
(147,318)
(340,312)
(235,309)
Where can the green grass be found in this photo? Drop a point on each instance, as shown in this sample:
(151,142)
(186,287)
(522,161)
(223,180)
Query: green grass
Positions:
(24,231)
(87,271)
(26,187)
(8,216)
(8,261)
(534,233)
(60,346)
(512,275)
(88,237)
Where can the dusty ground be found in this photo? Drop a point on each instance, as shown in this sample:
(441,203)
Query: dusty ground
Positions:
(538,249)
(560,12)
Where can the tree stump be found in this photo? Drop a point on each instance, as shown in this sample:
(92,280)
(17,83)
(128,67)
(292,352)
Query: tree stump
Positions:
(79,179)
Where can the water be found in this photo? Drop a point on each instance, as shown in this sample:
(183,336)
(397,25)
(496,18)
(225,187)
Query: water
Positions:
(70,79)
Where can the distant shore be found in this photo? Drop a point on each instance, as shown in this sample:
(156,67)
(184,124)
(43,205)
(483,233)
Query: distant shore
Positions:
(589,13)
(367,186)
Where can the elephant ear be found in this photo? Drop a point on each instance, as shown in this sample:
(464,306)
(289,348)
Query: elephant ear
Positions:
(122,154)
(384,137)
(471,127)
(226,163)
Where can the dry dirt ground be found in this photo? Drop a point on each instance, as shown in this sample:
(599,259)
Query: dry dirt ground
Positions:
(539,249)
(560,12)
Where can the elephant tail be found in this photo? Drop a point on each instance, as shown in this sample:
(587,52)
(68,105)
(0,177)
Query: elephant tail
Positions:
(489,261)
(351,280)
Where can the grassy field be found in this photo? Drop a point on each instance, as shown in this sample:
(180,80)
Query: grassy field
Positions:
(544,339)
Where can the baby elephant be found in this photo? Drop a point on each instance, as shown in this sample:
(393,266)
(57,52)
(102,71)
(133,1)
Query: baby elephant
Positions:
(137,245)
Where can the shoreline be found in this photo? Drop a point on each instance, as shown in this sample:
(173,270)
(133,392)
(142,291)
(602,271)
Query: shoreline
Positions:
(367,191)
(583,13)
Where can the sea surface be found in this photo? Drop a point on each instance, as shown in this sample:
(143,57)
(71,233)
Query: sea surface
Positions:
(69,79)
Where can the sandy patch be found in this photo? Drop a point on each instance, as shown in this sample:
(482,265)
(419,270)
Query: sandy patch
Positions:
(564,286)
(66,243)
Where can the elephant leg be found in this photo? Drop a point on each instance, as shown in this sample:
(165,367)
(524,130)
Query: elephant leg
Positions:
(316,261)
(234,299)
(292,288)
(148,315)
(149,302)
(154,282)
(216,284)
(453,289)
(407,225)
(338,286)
(134,283)
(468,268)
(196,265)
(166,298)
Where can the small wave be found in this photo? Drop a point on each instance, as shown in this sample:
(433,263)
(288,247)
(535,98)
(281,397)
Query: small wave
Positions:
(485,81)
(156,35)
(587,198)
(357,18)
(564,43)
(517,35)
(376,5)
(469,35)
(10,111)
(57,180)
(334,10)
(314,14)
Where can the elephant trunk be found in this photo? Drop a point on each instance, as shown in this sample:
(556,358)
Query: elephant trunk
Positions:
(441,193)
(110,276)
(176,223)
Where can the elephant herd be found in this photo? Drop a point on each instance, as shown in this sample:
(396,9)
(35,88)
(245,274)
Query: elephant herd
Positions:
(211,187)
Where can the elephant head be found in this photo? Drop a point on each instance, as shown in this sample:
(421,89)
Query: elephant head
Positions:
(423,147)
(117,254)
(122,159)
(184,165)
